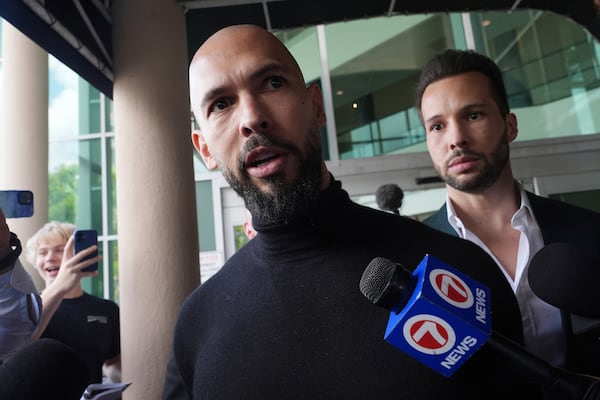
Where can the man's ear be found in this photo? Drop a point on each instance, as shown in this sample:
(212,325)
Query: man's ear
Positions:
(317,100)
(202,149)
(512,128)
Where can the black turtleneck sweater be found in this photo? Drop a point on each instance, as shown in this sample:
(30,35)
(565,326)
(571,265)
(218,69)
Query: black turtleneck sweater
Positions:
(285,319)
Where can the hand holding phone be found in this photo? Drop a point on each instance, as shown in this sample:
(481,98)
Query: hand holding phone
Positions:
(16,203)
(85,238)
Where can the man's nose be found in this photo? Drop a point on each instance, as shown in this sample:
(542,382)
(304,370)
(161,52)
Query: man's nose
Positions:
(457,135)
(254,116)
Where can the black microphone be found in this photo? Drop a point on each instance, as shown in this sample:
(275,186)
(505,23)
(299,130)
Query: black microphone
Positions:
(389,197)
(389,285)
(567,275)
(44,369)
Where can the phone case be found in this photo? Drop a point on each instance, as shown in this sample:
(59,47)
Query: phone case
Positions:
(16,203)
(83,239)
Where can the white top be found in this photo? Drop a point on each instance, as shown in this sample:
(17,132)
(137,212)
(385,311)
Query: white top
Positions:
(542,324)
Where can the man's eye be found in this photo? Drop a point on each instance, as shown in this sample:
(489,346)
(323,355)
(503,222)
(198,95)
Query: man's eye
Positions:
(435,127)
(220,104)
(474,115)
(276,82)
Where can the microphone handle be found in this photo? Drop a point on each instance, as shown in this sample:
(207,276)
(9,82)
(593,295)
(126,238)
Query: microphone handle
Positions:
(560,383)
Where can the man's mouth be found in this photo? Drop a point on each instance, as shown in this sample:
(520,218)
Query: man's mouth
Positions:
(459,160)
(462,163)
(260,159)
(263,162)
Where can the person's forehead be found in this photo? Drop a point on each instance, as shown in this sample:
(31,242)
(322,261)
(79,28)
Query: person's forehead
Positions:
(51,242)
(236,51)
(227,60)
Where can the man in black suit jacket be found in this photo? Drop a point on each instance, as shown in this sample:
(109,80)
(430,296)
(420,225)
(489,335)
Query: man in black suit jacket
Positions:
(464,108)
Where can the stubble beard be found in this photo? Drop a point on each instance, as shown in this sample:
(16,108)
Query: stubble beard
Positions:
(285,201)
(492,168)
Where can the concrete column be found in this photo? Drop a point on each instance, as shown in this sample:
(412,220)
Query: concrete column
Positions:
(158,236)
(24,129)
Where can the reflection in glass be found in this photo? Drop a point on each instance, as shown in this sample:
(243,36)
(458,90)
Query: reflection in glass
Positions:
(550,65)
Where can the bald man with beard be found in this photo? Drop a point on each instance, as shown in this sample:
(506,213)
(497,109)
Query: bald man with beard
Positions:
(284,318)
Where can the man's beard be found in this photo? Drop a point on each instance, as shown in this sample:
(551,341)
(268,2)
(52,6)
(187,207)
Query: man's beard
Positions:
(286,201)
(492,168)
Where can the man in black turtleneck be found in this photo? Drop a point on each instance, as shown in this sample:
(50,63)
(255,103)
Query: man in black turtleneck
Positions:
(284,318)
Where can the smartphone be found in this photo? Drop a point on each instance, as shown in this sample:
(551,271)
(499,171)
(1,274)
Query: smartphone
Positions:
(85,238)
(16,203)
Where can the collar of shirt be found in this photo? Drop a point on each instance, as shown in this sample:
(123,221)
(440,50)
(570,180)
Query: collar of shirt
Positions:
(523,220)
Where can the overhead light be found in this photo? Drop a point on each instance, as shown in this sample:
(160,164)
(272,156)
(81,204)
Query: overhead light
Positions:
(486,22)
(339,92)
(355,105)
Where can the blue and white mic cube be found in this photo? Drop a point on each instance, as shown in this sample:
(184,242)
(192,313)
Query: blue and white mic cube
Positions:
(445,321)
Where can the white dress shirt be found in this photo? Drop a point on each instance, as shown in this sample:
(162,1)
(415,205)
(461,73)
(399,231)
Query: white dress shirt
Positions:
(542,324)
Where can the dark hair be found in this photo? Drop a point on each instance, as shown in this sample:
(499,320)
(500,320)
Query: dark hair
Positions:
(389,197)
(454,62)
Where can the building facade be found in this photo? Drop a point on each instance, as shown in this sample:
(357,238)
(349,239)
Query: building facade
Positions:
(367,70)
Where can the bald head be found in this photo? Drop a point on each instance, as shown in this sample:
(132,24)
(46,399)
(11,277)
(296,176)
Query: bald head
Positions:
(233,39)
(228,49)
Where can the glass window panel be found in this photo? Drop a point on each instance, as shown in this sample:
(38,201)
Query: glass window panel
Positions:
(113,270)
(109,120)
(63,105)
(206,218)
(89,108)
(111,189)
(75,184)
(62,181)
(550,66)
(89,187)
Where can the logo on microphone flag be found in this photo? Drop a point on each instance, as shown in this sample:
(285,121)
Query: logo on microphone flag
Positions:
(445,321)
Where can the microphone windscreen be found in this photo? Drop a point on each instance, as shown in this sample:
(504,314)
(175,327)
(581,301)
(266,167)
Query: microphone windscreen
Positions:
(376,278)
(567,276)
(44,369)
(387,284)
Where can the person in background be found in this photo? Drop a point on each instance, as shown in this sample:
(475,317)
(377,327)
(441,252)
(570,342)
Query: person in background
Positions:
(284,317)
(389,197)
(53,370)
(88,324)
(24,314)
(464,108)
(249,230)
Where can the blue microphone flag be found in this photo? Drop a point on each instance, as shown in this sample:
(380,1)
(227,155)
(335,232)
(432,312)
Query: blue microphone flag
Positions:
(446,319)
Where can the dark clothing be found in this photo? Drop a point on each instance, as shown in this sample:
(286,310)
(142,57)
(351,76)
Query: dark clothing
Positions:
(285,319)
(559,222)
(174,388)
(89,325)
(44,369)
